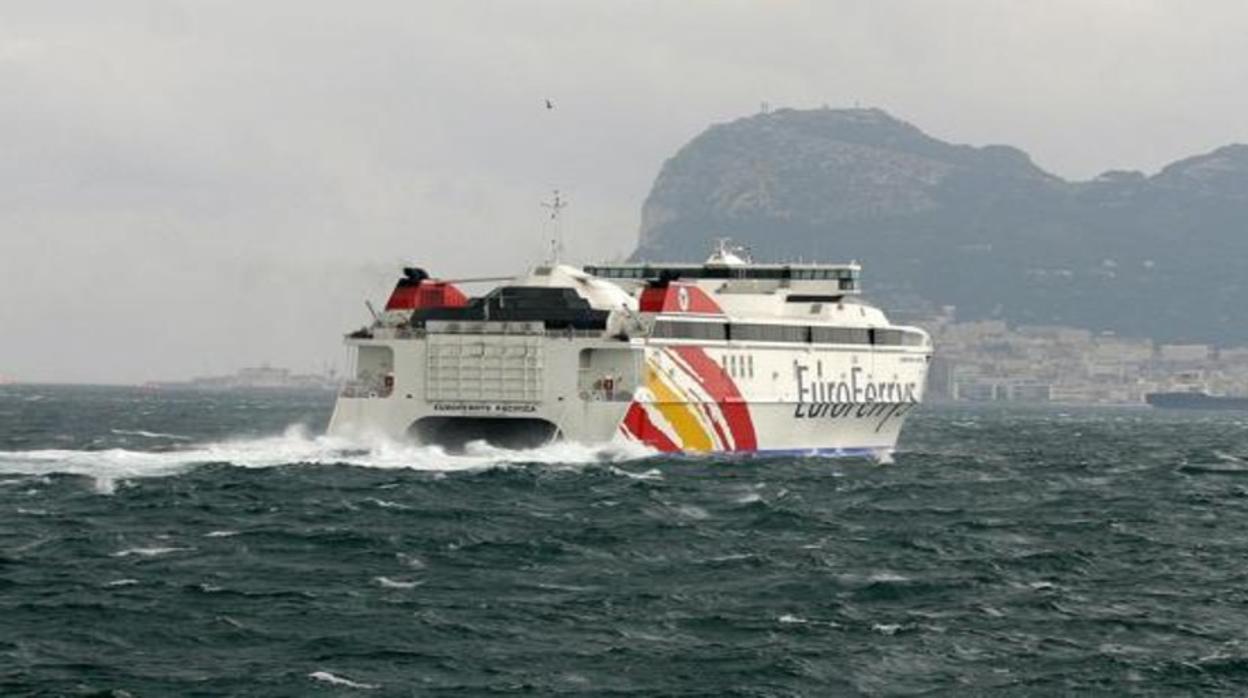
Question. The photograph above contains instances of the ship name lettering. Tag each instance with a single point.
(857, 396)
(483, 407)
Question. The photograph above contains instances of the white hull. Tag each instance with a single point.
(670, 395)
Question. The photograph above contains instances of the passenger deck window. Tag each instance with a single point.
(787, 334)
(672, 329)
(841, 335)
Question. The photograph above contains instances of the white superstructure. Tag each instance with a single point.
(726, 355)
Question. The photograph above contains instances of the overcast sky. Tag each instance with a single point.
(187, 187)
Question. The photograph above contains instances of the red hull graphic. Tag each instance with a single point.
(677, 419)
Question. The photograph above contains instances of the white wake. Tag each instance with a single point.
(296, 446)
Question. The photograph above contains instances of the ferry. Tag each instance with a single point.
(1195, 400)
(723, 356)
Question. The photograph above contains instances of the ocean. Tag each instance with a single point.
(195, 544)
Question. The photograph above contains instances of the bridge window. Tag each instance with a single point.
(671, 272)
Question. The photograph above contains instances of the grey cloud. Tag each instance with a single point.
(190, 187)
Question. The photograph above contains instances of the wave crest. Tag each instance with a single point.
(296, 447)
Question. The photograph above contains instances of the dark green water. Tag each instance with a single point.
(180, 544)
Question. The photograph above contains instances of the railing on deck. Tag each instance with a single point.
(600, 395)
(366, 389)
(574, 334)
(499, 328)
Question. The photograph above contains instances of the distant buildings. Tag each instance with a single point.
(988, 361)
(259, 377)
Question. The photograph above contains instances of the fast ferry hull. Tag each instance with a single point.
(520, 390)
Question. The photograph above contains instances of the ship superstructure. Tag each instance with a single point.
(723, 356)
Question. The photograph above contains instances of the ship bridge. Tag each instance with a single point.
(841, 279)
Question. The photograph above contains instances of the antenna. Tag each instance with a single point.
(556, 204)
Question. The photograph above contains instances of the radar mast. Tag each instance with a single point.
(555, 206)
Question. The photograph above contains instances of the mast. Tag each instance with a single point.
(555, 205)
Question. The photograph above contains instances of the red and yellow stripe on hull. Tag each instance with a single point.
(693, 405)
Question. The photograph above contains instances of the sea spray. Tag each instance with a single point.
(296, 446)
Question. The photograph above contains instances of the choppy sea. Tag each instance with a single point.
(194, 544)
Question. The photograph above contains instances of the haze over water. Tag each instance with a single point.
(207, 544)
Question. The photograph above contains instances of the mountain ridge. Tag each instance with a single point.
(979, 227)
